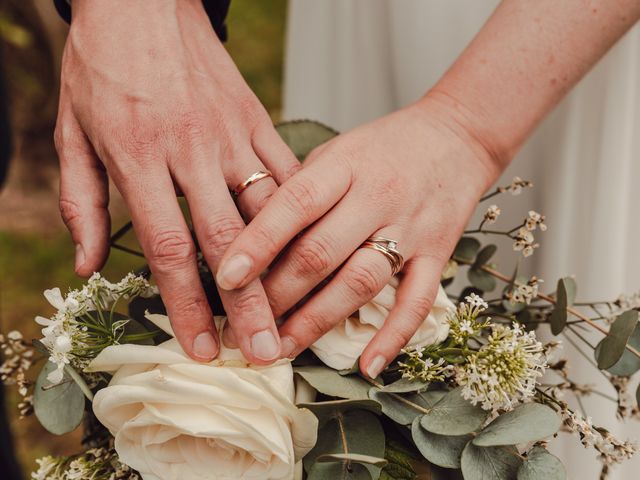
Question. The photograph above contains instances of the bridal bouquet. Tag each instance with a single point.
(476, 394)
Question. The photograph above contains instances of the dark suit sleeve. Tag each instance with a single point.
(216, 9)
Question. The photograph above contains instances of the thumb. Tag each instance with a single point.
(84, 196)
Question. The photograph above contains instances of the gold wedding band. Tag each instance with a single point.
(389, 248)
(256, 177)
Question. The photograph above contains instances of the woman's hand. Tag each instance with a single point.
(150, 95)
(414, 176)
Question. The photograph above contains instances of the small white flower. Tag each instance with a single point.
(46, 467)
(492, 213)
(535, 220)
(476, 301)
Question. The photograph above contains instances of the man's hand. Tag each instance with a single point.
(150, 97)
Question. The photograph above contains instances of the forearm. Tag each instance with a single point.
(527, 56)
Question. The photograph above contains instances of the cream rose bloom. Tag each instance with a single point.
(340, 348)
(176, 419)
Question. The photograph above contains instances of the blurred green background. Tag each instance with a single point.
(35, 250)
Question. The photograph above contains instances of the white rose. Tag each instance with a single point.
(176, 419)
(340, 348)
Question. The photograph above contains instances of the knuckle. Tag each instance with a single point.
(418, 308)
(141, 140)
(171, 247)
(299, 196)
(362, 281)
(220, 233)
(314, 324)
(312, 256)
(69, 210)
(247, 302)
(189, 127)
(400, 334)
(190, 308)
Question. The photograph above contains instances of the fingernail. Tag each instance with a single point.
(205, 346)
(264, 345)
(376, 366)
(233, 271)
(80, 256)
(287, 347)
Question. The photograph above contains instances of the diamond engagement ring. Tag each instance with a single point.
(389, 248)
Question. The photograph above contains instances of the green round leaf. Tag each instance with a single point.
(59, 408)
(466, 249)
(351, 432)
(492, 463)
(526, 423)
(565, 294)
(612, 347)
(330, 409)
(342, 470)
(628, 363)
(453, 415)
(402, 408)
(541, 465)
(352, 457)
(481, 280)
(302, 136)
(485, 255)
(404, 385)
(330, 382)
(442, 450)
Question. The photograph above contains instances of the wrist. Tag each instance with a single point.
(492, 157)
(101, 12)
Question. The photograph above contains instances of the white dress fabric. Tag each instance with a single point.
(350, 61)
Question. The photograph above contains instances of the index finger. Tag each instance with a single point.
(169, 248)
(299, 202)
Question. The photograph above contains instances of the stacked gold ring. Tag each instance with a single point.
(256, 177)
(389, 248)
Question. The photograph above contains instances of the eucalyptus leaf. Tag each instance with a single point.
(453, 415)
(403, 409)
(612, 347)
(302, 136)
(558, 318)
(59, 408)
(541, 465)
(352, 457)
(485, 255)
(628, 363)
(526, 423)
(330, 382)
(342, 471)
(492, 463)
(350, 432)
(481, 280)
(325, 411)
(76, 377)
(404, 385)
(467, 249)
(442, 450)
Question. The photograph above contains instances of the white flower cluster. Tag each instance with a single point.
(68, 333)
(610, 448)
(95, 464)
(417, 367)
(492, 214)
(524, 239)
(464, 323)
(516, 186)
(504, 371)
(525, 293)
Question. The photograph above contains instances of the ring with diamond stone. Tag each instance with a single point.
(389, 248)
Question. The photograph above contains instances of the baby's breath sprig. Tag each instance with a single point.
(94, 464)
(86, 321)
